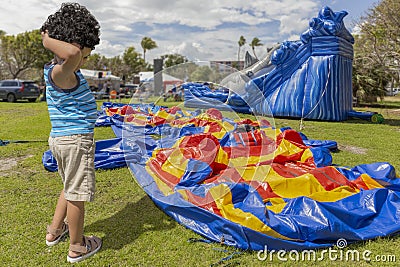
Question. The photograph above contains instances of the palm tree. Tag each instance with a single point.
(241, 43)
(147, 44)
(255, 42)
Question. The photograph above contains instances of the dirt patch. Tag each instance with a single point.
(353, 149)
(391, 112)
(9, 163)
(395, 112)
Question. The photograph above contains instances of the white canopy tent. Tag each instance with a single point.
(92, 76)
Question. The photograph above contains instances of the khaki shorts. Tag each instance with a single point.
(75, 160)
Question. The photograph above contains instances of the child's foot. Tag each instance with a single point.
(54, 236)
(78, 253)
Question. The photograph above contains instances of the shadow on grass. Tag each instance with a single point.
(128, 224)
(391, 122)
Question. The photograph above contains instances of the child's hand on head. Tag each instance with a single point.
(45, 34)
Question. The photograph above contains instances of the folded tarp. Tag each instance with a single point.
(109, 154)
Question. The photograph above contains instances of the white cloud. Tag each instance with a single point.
(207, 29)
(108, 49)
(122, 28)
(292, 24)
(195, 50)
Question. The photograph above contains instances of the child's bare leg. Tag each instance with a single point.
(59, 215)
(76, 216)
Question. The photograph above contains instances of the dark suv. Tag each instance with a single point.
(12, 90)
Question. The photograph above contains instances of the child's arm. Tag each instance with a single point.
(71, 56)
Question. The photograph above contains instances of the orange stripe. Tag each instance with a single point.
(288, 170)
(231, 175)
(330, 178)
(253, 151)
(206, 202)
(360, 183)
(292, 136)
(167, 178)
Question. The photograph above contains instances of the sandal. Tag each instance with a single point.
(92, 245)
(58, 233)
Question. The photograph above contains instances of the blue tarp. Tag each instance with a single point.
(109, 154)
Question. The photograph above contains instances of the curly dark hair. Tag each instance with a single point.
(73, 23)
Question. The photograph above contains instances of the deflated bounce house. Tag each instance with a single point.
(246, 183)
(308, 79)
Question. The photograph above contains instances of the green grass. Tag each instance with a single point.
(135, 232)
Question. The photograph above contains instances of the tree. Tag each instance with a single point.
(132, 60)
(147, 44)
(2, 65)
(201, 74)
(173, 59)
(241, 42)
(255, 42)
(96, 62)
(127, 65)
(377, 50)
(23, 52)
(118, 67)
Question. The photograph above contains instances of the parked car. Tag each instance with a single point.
(13, 90)
(393, 92)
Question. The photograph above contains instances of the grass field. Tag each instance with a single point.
(134, 231)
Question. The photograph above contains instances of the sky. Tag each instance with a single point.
(201, 30)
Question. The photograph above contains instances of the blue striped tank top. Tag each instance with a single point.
(72, 111)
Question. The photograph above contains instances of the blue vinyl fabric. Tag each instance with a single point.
(109, 154)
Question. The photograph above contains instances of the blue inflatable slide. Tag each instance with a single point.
(309, 79)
